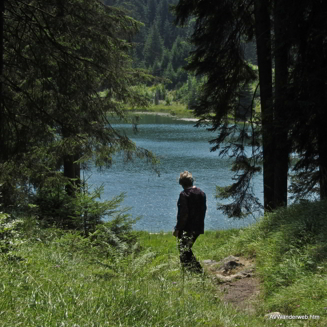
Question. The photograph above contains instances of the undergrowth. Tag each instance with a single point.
(291, 256)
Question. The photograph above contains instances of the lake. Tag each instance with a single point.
(179, 146)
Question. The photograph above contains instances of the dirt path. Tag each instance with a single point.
(236, 280)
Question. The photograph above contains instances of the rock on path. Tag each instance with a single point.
(236, 280)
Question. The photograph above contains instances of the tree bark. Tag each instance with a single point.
(263, 39)
(322, 150)
(321, 117)
(281, 124)
(72, 169)
(3, 152)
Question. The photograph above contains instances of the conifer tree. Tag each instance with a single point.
(156, 69)
(153, 49)
(58, 55)
(167, 34)
(307, 86)
(179, 52)
(289, 37)
(162, 15)
(3, 151)
(220, 28)
(151, 11)
(166, 59)
(170, 74)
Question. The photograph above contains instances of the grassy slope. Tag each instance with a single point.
(63, 281)
(175, 109)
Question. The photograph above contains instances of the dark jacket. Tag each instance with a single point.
(191, 210)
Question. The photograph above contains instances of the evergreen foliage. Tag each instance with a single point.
(153, 48)
(163, 48)
(10, 236)
(219, 33)
(307, 86)
(58, 56)
(292, 74)
(159, 42)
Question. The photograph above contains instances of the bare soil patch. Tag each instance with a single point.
(236, 281)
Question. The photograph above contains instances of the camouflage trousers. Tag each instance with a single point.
(188, 260)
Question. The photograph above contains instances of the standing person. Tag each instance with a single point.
(190, 220)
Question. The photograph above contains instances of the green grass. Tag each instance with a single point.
(60, 279)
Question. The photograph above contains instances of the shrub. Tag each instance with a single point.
(9, 233)
(116, 233)
(81, 212)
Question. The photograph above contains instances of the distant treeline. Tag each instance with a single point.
(163, 48)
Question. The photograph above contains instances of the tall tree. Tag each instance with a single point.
(263, 40)
(167, 34)
(58, 56)
(290, 37)
(219, 31)
(162, 15)
(282, 16)
(153, 48)
(308, 88)
(2, 116)
(151, 11)
(179, 52)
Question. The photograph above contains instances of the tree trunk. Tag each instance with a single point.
(263, 39)
(280, 111)
(320, 97)
(5, 189)
(3, 152)
(72, 169)
(322, 150)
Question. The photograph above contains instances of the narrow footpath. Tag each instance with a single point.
(236, 281)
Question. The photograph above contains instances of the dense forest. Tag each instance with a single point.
(163, 48)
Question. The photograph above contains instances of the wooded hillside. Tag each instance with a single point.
(163, 48)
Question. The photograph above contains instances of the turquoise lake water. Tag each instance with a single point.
(180, 146)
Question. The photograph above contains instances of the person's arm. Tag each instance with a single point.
(182, 214)
(205, 203)
(176, 232)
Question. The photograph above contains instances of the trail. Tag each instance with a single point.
(236, 281)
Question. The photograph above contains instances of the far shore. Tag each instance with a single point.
(166, 114)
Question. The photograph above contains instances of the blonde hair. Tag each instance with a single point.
(186, 179)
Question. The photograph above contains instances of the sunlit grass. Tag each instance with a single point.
(51, 288)
(174, 109)
(57, 279)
